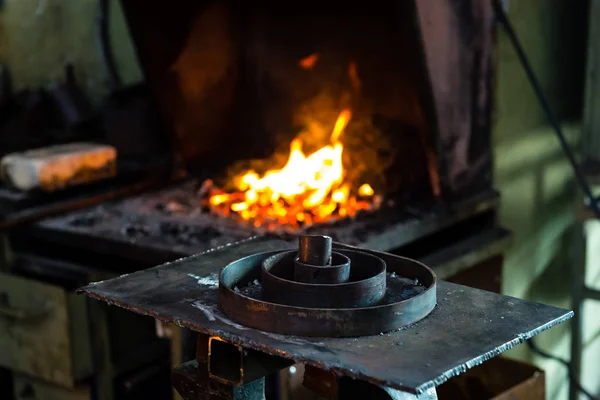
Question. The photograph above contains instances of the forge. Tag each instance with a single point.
(370, 126)
(295, 120)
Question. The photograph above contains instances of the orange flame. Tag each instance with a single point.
(308, 189)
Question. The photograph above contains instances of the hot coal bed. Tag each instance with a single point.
(159, 227)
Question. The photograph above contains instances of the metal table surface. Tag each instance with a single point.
(467, 327)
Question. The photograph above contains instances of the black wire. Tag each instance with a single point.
(568, 365)
(105, 47)
(579, 174)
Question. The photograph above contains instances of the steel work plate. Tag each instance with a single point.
(467, 327)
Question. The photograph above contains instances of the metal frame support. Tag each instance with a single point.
(226, 371)
(577, 297)
(234, 365)
(192, 382)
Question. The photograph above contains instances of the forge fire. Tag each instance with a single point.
(309, 189)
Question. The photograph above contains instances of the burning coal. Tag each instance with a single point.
(308, 189)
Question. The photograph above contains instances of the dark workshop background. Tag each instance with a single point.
(37, 38)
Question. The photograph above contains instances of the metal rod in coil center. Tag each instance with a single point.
(314, 250)
(317, 264)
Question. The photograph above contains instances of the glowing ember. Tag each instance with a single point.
(365, 190)
(308, 189)
(309, 62)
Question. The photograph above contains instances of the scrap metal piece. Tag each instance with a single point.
(57, 167)
(467, 327)
(367, 287)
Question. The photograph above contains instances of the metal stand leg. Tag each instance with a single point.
(577, 297)
(192, 382)
(224, 371)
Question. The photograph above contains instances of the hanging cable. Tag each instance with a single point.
(550, 116)
(105, 47)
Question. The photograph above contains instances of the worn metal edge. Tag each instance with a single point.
(521, 338)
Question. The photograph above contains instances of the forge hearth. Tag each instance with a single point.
(291, 120)
(172, 223)
(251, 87)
